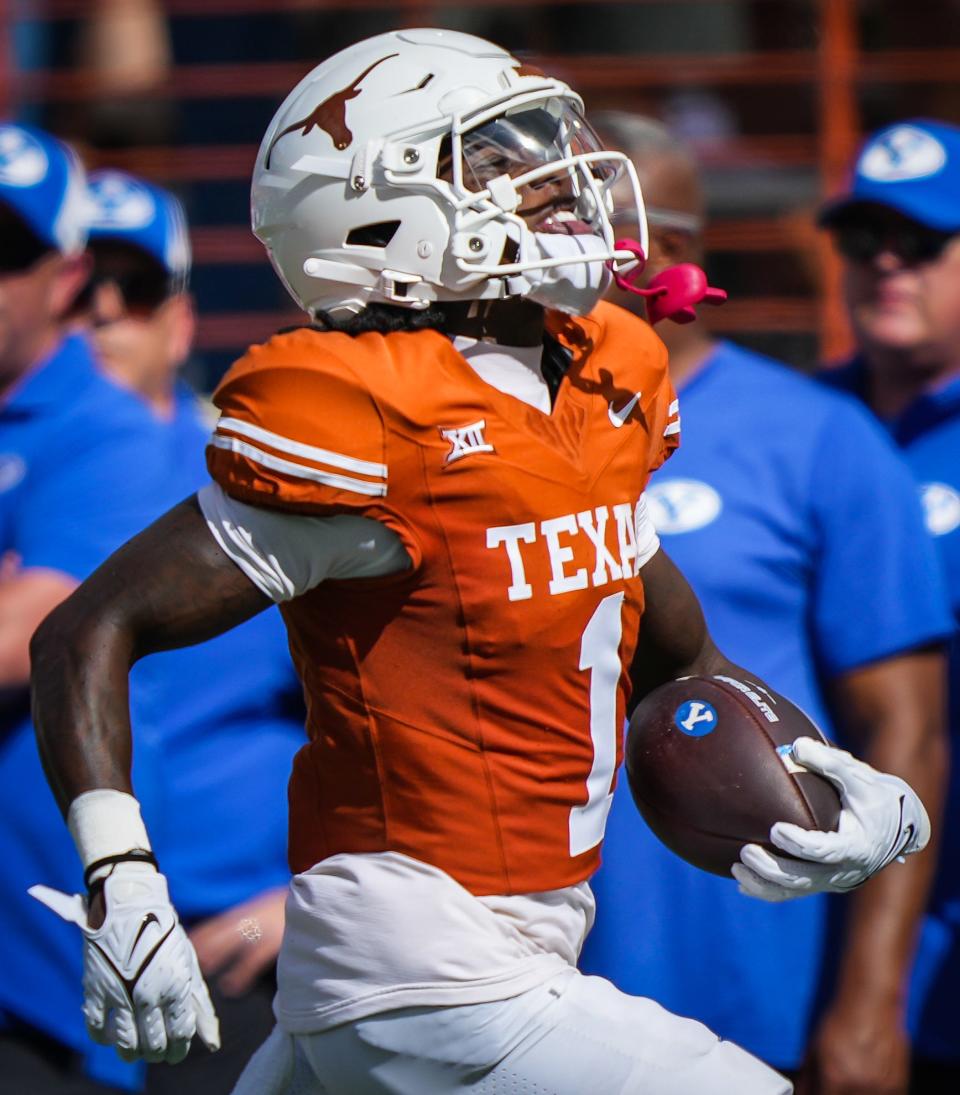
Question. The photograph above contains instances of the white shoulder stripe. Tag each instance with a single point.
(673, 408)
(299, 471)
(672, 428)
(298, 448)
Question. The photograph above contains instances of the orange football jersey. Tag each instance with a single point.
(466, 712)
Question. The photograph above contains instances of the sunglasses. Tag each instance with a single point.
(20, 247)
(142, 291)
(142, 283)
(911, 243)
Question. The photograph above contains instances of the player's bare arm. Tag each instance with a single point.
(674, 640)
(170, 586)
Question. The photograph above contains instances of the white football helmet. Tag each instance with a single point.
(395, 170)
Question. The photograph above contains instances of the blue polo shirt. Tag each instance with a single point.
(793, 517)
(79, 474)
(928, 434)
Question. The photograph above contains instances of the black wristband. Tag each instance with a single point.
(135, 855)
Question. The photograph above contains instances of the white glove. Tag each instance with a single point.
(881, 819)
(143, 990)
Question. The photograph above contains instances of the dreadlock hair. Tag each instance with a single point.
(382, 319)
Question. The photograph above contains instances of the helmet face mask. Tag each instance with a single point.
(456, 163)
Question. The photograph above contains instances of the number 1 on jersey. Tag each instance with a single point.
(600, 655)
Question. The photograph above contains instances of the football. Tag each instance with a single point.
(708, 762)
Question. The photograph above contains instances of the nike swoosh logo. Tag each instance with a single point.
(902, 839)
(150, 918)
(129, 983)
(618, 418)
(908, 834)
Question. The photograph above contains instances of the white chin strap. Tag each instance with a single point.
(575, 287)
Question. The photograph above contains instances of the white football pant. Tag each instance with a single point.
(574, 1035)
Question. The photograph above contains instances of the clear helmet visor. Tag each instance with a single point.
(550, 152)
(527, 138)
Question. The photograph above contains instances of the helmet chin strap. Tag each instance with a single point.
(673, 293)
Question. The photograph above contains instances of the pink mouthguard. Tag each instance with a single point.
(673, 293)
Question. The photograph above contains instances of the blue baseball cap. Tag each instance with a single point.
(42, 181)
(912, 167)
(136, 212)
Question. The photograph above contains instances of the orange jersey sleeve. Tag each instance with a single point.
(298, 429)
(664, 415)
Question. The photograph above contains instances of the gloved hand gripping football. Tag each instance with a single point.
(881, 819)
(143, 990)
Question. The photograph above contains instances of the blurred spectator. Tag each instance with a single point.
(79, 474)
(137, 301)
(898, 232)
(124, 48)
(219, 743)
(799, 528)
(127, 44)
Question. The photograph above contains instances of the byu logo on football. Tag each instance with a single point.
(466, 440)
(696, 718)
(902, 153)
(23, 161)
(119, 202)
(785, 753)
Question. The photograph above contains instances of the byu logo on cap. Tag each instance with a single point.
(696, 718)
(23, 161)
(120, 202)
(904, 152)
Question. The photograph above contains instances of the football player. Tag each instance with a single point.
(441, 482)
